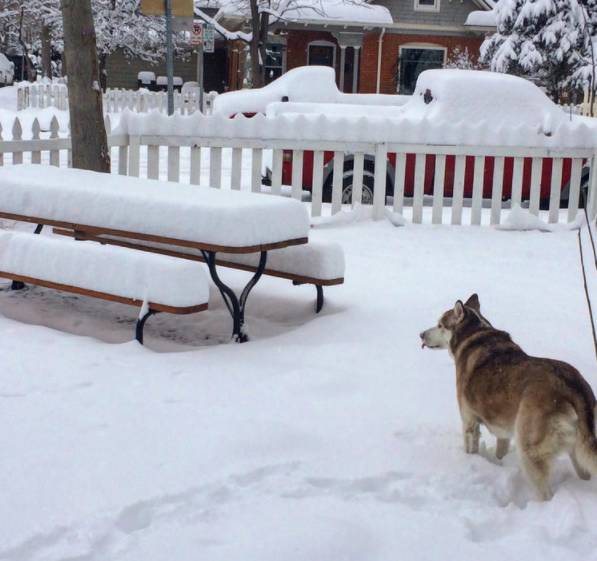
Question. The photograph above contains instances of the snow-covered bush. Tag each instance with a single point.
(548, 42)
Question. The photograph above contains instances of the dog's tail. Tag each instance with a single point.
(585, 448)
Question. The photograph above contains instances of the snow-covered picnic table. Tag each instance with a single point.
(114, 208)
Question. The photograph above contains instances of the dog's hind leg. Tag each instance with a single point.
(503, 445)
(472, 432)
(580, 471)
(537, 471)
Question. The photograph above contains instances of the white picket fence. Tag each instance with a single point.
(585, 107)
(130, 150)
(53, 94)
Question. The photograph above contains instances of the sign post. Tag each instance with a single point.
(169, 8)
(169, 56)
(197, 41)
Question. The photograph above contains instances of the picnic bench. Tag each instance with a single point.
(221, 228)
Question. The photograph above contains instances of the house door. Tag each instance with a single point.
(322, 55)
(413, 61)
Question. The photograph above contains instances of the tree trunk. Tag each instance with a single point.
(28, 66)
(88, 133)
(256, 74)
(46, 51)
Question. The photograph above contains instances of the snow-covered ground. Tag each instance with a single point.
(324, 438)
(330, 437)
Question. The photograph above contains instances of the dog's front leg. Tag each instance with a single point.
(472, 433)
(503, 445)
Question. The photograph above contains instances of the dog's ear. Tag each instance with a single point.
(473, 302)
(458, 311)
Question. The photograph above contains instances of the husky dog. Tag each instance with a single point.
(545, 404)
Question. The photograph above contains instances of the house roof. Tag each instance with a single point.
(329, 11)
(484, 17)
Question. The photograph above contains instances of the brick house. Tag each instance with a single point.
(382, 52)
(378, 47)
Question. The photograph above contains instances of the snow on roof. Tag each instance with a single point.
(481, 18)
(330, 11)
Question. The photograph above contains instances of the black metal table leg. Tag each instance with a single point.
(141, 325)
(319, 289)
(236, 306)
(18, 285)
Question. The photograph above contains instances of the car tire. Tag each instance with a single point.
(347, 183)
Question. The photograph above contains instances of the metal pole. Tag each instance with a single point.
(169, 57)
(200, 73)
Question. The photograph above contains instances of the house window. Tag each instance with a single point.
(322, 53)
(413, 61)
(427, 5)
(274, 62)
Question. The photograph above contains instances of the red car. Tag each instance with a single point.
(449, 95)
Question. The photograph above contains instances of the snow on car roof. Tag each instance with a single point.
(476, 96)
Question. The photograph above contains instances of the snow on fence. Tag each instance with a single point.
(115, 100)
(440, 176)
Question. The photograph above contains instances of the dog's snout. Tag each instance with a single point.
(422, 335)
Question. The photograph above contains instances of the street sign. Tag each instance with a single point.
(209, 38)
(180, 8)
(197, 35)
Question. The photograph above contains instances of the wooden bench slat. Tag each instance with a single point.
(103, 295)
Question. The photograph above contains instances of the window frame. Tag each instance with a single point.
(418, 7)
(420, 47)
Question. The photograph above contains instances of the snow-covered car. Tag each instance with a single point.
(306, 84)
(7, 71)
(497, 102)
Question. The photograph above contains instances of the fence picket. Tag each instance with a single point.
(195, 172)
(497, 187)
(277, 161)
(338, 178)
(123, 158)
(419, 188)
(35, 130)
(399, 179)
(458, 194)
(379, 181)
(556, 190)
(536, 169)
(236, 172)
(153, 161)
(17, 134)
(479, 175)
(256, 164)
(517, 181)
(215, 167)
(574, 193)
(174, 163)
(134, 156)
(357, 178)
(297, 174)
(438, 189)
(317, 187)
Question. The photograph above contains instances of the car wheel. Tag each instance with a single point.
(347, 186)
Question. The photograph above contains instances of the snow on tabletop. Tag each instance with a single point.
(198, 214)
(113, 270)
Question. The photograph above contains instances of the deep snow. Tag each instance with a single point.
(330, 437)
